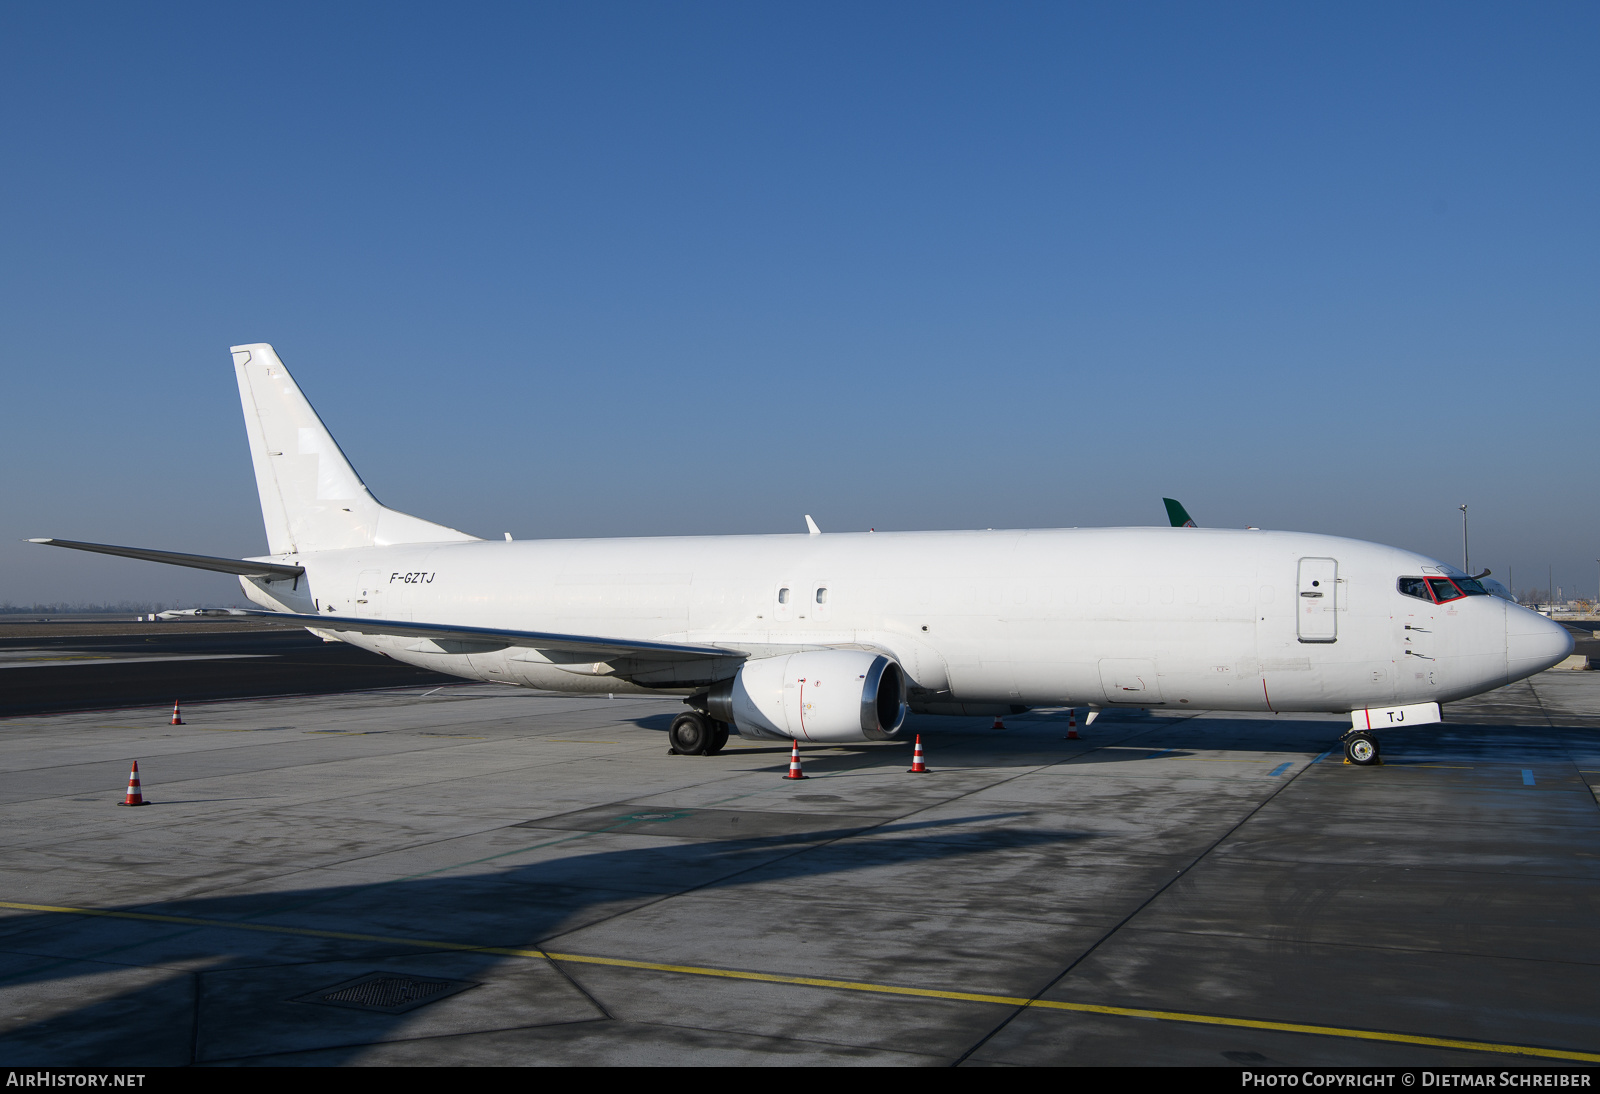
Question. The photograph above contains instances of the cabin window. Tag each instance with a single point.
(1414, 586)
(822, 596)
(783, 596)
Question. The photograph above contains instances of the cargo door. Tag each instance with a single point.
(1317, 615)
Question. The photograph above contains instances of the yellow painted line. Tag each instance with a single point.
(839, 985)
(1089, 1008)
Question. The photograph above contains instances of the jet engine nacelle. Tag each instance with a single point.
(820, 695)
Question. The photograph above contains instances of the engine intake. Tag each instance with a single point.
(819, 695)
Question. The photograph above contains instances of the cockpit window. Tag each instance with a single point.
(1441, 589)
(1415, 586)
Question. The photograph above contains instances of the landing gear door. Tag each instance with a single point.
(1317, 603)
(1131, 681)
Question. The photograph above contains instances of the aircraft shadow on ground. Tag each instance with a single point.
(521, 907)
(1029, 740)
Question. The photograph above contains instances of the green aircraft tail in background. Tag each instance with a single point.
(1178, 515)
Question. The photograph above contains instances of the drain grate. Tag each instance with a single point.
(386, 992)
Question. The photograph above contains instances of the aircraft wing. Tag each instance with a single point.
(589, 645)
(242, 566)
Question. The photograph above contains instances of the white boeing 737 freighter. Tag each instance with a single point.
(834, 637)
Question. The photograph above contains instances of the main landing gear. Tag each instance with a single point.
(696, 734)
(1361, 748)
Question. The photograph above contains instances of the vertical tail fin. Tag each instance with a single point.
(1178, 515)
(311, 498)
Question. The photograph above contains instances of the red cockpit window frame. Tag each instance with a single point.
(1433, 589)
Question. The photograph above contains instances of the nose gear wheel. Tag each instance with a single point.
(1361, 748)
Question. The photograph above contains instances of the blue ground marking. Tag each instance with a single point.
(1163, 752)
(1279, 770)
(1527, 777)
(1322, 757)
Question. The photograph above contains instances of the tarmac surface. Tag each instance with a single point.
(481, 875)
(82, 664)
(1584, 640)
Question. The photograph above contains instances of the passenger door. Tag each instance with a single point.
(1316, 606)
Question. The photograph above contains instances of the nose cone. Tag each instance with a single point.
(1533, 643)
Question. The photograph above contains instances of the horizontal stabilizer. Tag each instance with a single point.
(242, 567)
(538, 640)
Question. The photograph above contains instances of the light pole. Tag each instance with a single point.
(1466, 556)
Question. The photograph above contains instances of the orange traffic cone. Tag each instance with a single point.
(998, 724)
(1072, 724)
(918, 766)
(794, 763)
(134, 796)
(177, 719)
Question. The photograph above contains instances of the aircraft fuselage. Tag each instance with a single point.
(1174, 618)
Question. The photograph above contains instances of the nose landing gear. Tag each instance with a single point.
(1361, 748)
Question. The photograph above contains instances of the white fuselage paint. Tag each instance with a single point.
(1181, 618)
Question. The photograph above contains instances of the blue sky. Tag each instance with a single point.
(637, 269)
